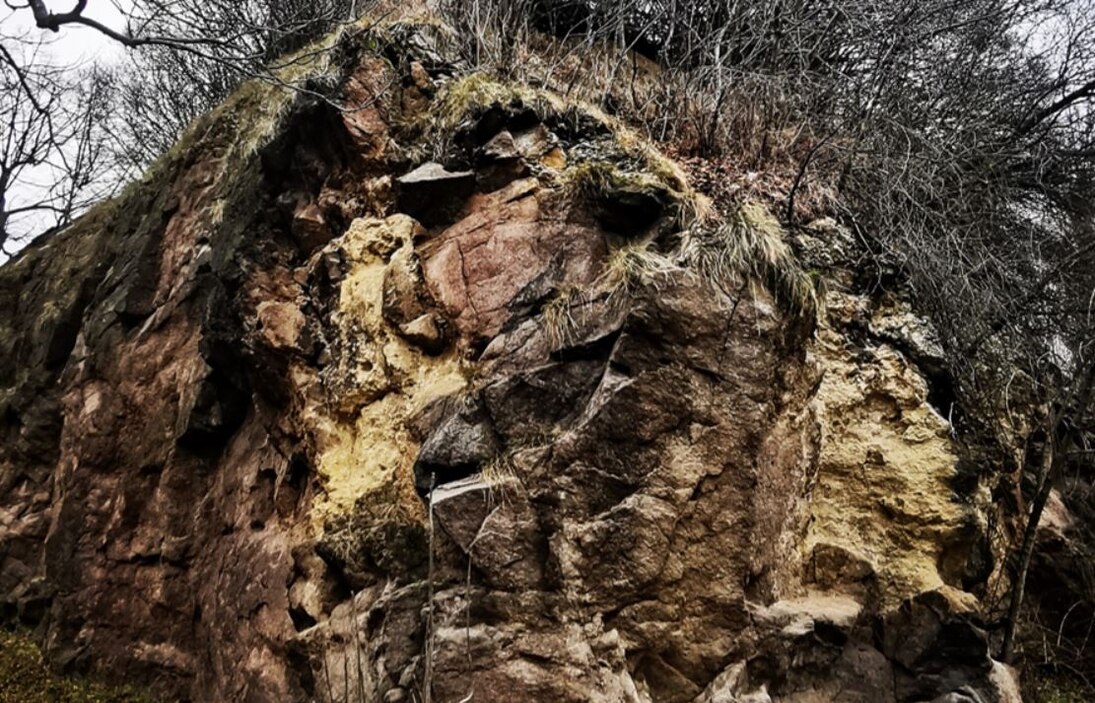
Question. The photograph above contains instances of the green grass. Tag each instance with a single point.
(25, 678)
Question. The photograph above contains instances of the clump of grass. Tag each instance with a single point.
(259, 107)
(499, 471)
(25, 678)
(654, 162)
(558, 316)
(601, 179)
(500, 476)
(384, 531)
(592, 180)
(632, 264)
(470, 94)
(651, 167)
(750, 245)
(466, 97)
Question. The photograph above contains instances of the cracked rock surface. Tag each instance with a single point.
(306, 417)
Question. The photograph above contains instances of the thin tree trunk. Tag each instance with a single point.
(1026, 552)
(1072, 408)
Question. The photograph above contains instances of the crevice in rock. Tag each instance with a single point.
(460, 444)
(595, 349)
(301, 619)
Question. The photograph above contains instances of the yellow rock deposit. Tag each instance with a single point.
(883, 494)
(368, 453)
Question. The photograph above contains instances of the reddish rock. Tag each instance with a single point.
(282, 324)
(504, 245)
(216, 410)
(310, 227)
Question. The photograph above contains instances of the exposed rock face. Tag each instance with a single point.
(276, 430)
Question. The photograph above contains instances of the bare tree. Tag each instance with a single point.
(164, 89)
(52, 143)
(187, 55)
(1065, 426)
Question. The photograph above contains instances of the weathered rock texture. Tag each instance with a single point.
(303, 416)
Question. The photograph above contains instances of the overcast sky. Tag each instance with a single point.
(74, 45)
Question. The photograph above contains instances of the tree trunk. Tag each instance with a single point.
(1026, 552)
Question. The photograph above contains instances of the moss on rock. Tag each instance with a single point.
(24, 678)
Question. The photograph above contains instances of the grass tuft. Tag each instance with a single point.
(591, 180)
(500, 475)
(751, 245)
(558, 315)
(632, 264)
(499, 471)
(466, 96)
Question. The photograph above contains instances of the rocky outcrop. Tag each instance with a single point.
(315, 413)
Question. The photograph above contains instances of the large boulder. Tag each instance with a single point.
(282, 424)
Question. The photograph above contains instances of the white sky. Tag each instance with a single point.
(72, 46)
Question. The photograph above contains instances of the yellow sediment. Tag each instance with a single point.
(371, 453)
(887, 461)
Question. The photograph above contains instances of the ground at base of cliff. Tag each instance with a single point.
(25, 678)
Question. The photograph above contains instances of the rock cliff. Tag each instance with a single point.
(465, 395)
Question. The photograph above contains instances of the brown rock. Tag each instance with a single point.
(480, 265)
(282, 324)
(222, 434)
(424, 331)
(419, 76)
(367, 121)
(310, 227)
(501, 147)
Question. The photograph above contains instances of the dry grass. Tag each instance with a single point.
(558, 315)
(663, 169)
(500, 474)
(751, 245)
(592, 180)
(600, 179)
(635, 264)
(501, 478)
(469, 95)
